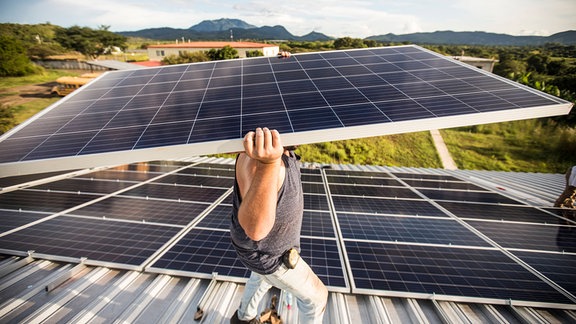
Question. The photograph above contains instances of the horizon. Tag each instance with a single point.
(326, 34)
(335, 18)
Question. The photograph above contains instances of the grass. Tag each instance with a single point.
(410, 150)
(519, 146)
(24, 111)
(47, 76)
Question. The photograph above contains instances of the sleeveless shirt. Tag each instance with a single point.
(265, 256)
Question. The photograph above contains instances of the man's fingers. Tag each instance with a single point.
(268, 145)
(259, 140)
(249, 143)
(276, 141)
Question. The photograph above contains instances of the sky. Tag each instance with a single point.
(336, 18)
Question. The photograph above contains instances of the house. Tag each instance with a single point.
(481, 63)
(158, 52)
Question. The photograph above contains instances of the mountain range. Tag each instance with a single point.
(226, 29)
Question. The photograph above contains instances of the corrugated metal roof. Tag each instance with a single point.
(52, 292)
(36, 290)
(116, 65)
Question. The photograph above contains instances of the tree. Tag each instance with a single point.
(225, 53)
(254, 53)
(6, 119)
(92, 43)
(186, 57)
(349, 42)
(13, 59)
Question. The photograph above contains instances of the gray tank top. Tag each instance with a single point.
(265, 256)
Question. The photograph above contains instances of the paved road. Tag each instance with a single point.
(447, 161)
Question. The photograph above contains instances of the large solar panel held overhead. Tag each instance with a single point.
(203, 108)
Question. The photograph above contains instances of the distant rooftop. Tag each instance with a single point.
(212, 45)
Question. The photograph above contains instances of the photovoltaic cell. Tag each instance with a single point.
(385, 206)
(144, 210)
(176, 192)
(219, 217)
(529, 236)
(203, 108)
(85, 185)
(204, 251)
(95, 239)
(445, 271)
(323, 257)
(315, 223)
(43, 201)
(558, 267)
(406, 229)
(471, 196)
(11, 219)
(499, 212)
(374, 191)
(460, 185)
(364, 181)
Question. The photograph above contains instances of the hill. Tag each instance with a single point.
(477, 38)
(221, 29)
(223, 24)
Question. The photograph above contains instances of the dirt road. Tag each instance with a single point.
(23, 94)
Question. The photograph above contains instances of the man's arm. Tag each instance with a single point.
(260, 175)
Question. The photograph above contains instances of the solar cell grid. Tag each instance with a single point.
(11, 219)
(445, 271)
(374, 191)
(529, 236)
(219, 217)
(363, 181)
(84, 185)
(314, 91)
(98, 240)
(313, 187)
(499, 212)
(43, 201)
(385, 206)
(144, 210)
(558, 267)
(406, 229)
(323, 257)
(190, 180)
(424, 176)
(316, 202)
(443, 184)
(350, 173)
(176, 192)
(319, 224)
(470, 196)
(206, 252)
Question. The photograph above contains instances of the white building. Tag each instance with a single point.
(481, 63)
(158, 52)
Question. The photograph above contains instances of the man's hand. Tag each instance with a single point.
(264, 145)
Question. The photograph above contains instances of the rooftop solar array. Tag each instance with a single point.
(187, 110)
(379, 233)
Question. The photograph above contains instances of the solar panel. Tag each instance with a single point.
(558, 267)
(203, 108)
(95, 239)
(406, 229)
(445, 271)
(362, 240)
(529, 236)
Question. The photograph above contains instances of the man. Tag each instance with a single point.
(567, 198)
(265, 229)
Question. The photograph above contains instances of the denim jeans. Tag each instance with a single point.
(302, 282)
